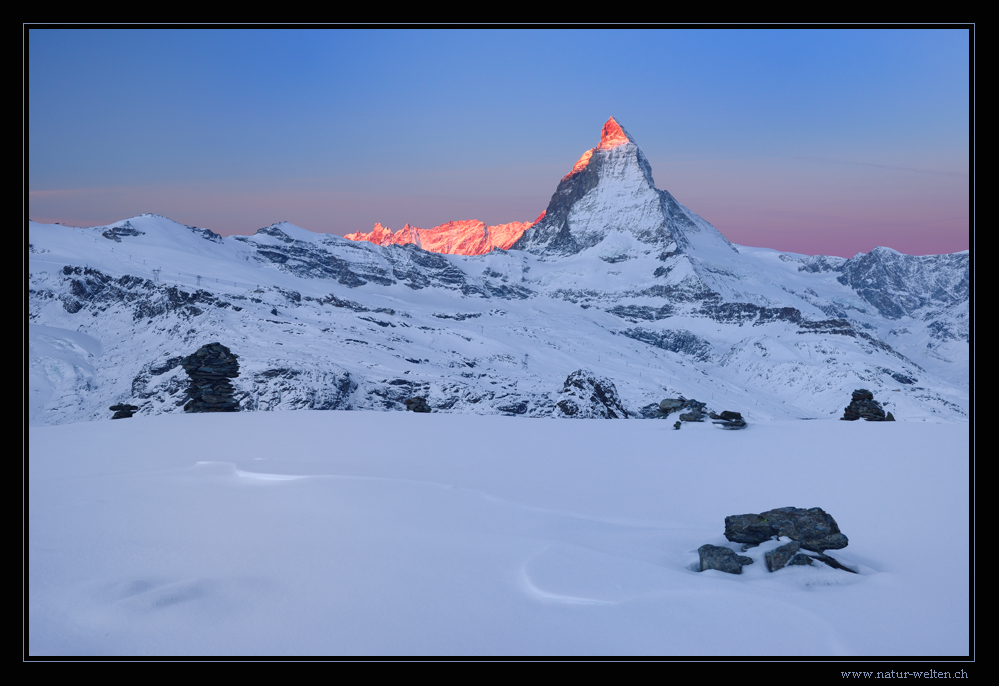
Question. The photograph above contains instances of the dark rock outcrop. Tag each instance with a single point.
(210, 369)
(721, 558)
(123, 410)
(864, 406)
(126, 229)
(417, 404)
(813, 528)
(728, 420)
(585, 395)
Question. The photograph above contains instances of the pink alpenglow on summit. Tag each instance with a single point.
(465, 237)
(612, 135)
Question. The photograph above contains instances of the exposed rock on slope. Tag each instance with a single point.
(587, 396)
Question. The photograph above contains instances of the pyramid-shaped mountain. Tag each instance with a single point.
(611, 189)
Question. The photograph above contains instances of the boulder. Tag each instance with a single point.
(586, 396)
(813, 528)
(721, 558)
(210, 369)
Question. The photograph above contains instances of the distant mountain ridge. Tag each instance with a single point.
(616, 276)
(465, 237)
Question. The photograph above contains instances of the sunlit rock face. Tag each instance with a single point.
(465, 237)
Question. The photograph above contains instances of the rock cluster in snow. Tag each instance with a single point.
(809, 529)
(668, 405)
(864, 406)
(696, 411)
(210, 369)
(587, 396)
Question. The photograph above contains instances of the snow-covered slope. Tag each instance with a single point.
(357, 533)
(617, 277)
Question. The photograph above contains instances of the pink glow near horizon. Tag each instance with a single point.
(759, 206)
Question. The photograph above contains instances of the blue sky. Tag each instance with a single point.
(816, 140)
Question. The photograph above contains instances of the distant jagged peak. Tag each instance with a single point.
(462, 237)
(613, 135)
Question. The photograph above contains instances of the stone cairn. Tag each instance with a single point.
(123, 410)
(417, 404)
(809, 529)
(210, 369)
(864, 406)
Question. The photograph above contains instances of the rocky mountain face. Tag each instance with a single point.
(616, 278)
(609, 189)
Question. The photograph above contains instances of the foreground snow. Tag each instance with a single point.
(338, 533)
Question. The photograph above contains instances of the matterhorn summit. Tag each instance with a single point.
(610, 189)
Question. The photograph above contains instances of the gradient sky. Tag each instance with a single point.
(819, 141)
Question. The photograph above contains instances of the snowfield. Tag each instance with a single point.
(392, 533)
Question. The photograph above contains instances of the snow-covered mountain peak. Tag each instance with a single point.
(611, 188)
